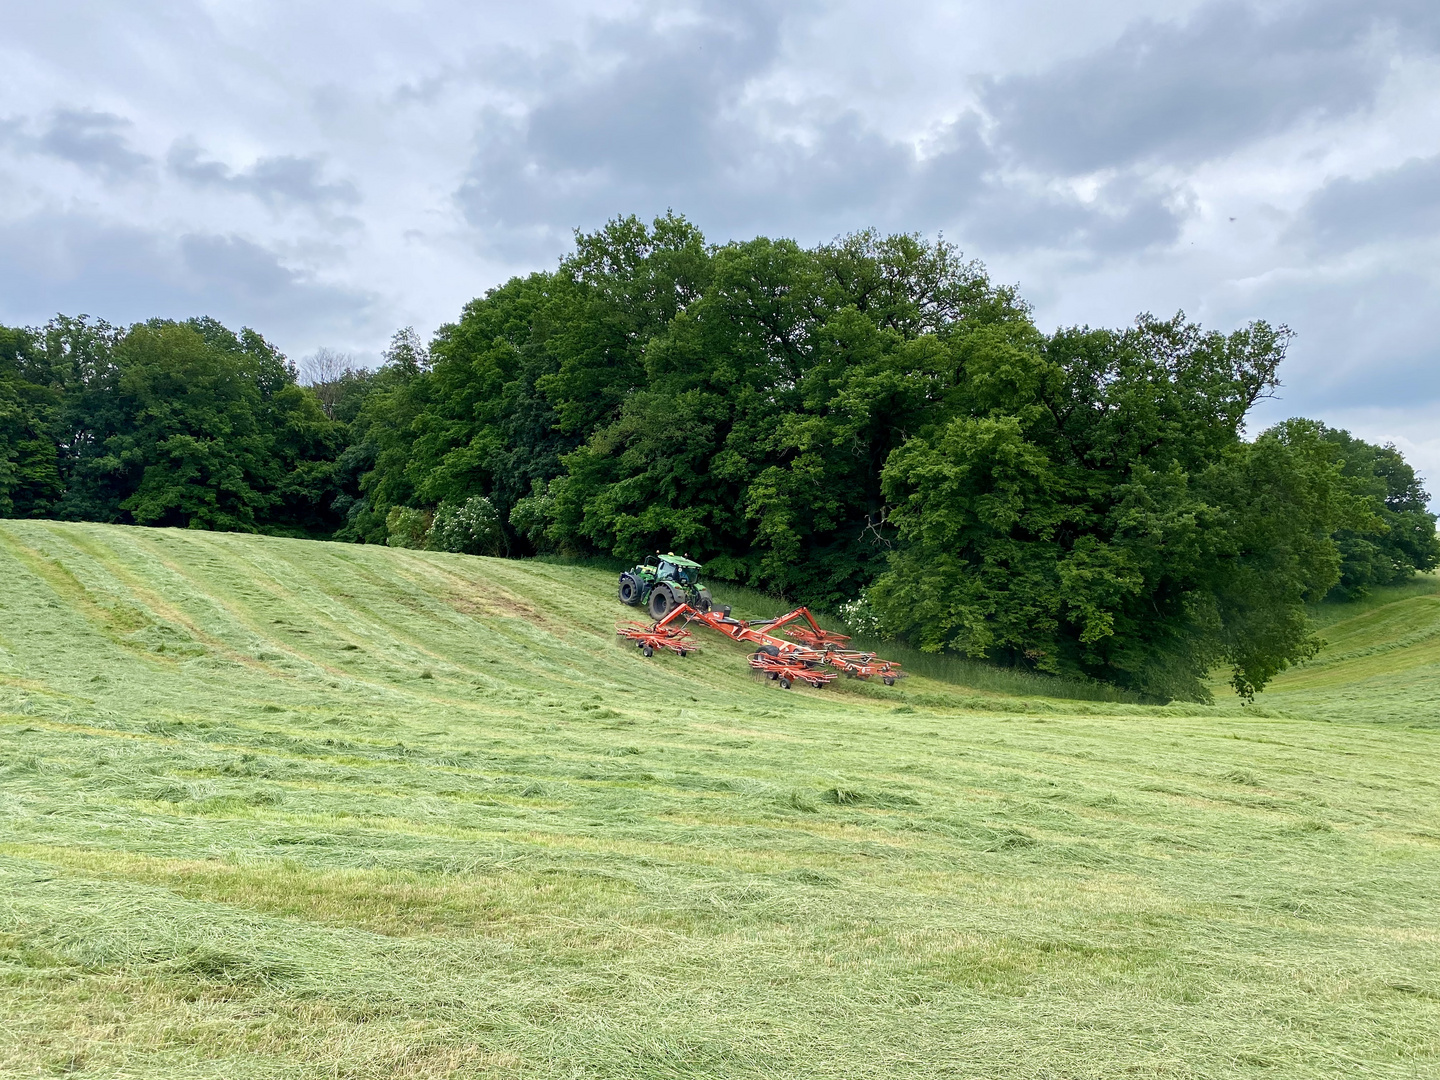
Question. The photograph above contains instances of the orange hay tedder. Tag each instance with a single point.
(812, 656)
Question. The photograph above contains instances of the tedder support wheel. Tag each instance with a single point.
(784, 683)
(648, 651)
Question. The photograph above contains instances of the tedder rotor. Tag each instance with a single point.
(811, 655)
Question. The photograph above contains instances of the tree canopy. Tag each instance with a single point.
(871, 420)
(164, 423)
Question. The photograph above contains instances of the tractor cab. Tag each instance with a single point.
(664, 582)
(672, 567)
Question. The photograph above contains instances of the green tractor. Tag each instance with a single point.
(662, 583)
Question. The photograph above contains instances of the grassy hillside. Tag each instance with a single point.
(276, 808)
(1381, 661)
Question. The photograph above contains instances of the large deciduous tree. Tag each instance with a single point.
(1406, 542)
(186, 424)
(1090, 507)
(30, 399)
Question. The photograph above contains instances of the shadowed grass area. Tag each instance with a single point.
(277, 808)
(944, 668)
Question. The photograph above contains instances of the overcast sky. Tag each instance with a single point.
(328, 172)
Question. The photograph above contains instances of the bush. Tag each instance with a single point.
(532, 514)
(470, 528)
(862, 620)
(407, 527)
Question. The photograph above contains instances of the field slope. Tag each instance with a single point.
(275, 808)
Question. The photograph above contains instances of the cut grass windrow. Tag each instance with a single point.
(273, 808)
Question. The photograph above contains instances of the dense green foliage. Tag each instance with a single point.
(165, 423)
(1406, 541)
(1092, 508)
(30, 483)
(871, 421)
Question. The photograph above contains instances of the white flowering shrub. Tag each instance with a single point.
(471, 528)
(861, 619)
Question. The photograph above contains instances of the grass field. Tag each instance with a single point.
(274, 808)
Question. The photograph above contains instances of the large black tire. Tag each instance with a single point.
(662, 601)
(630, 589)
(704, 603)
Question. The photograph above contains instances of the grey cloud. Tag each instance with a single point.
(658, 114)
(1126, 216)
(732, 114)
(1364, 338)
(641, 118)
(275, 181)
(649, 126)
(1398, 203)
(1200, 89)
(74, 264)
(95, 141)
(660, 124)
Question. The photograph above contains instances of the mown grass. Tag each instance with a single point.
(273, 808)
(1381, 660)
(1330, 612)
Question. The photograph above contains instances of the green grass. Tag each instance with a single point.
(1381, 661)
(1332, 611)
(274, 808)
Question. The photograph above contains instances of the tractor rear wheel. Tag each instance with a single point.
(662, 602)
(629, 589)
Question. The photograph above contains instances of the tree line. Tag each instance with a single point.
(870, 423)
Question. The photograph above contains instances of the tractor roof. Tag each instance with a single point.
(679, 560)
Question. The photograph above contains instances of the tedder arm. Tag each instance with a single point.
(802, 659)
